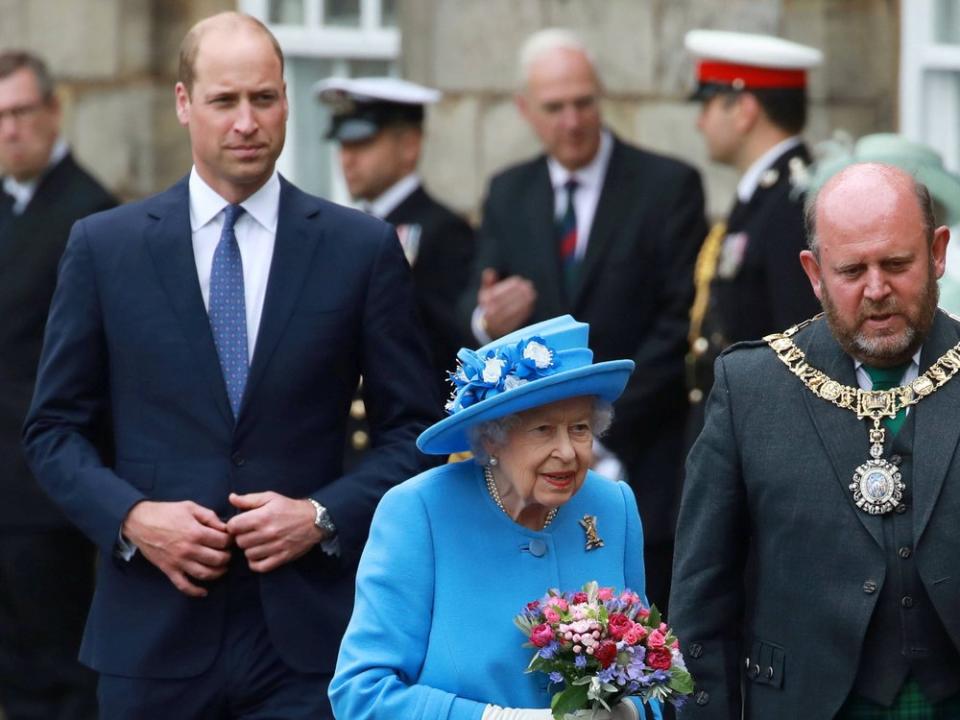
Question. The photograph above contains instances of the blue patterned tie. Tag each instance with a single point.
(228, 315)
(567, 238)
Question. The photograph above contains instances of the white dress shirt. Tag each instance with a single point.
(22, 192)
(751, 178)
(256, 232)
(393, 196)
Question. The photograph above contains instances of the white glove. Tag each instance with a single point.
(495, 712)
(624, 710)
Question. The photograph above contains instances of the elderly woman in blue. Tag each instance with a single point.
(455, 553)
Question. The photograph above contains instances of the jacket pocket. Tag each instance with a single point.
(765, 664)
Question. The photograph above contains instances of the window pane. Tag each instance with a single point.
(286, 12)
(342, 13)
(313, 156)
(947, 22)
(388, 13)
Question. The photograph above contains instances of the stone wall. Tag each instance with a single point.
(115, 62)
(467, 49)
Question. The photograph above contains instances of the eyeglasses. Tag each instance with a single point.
(21, 112)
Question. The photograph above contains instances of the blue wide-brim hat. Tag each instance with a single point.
(533, 366)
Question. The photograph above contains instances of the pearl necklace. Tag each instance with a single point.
(495, 494)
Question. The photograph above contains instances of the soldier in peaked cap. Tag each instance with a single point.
(378, 122)
(748, 275)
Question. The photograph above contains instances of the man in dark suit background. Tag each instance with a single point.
(378, 122)
(218, 330)
(609, 233)
(46, 566)
(818, 560)
(748, 275)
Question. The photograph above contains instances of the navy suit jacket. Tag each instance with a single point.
(129, 349)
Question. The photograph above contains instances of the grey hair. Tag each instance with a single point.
(924, 200)
(496, 432)
(544, 41)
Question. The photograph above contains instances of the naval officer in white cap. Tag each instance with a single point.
(748, 275)
(378, 122)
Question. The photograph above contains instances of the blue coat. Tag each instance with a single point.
(129, 360)
(442, 577)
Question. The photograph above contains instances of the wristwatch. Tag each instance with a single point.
(322, 519)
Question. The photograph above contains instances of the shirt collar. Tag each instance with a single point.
(394, 195)
(590, 175)
(22, 192)
(751, 178)
(205, 203)
(915, 361)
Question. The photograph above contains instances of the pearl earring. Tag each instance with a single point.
(493, 462)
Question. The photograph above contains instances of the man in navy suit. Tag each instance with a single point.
(201, 353)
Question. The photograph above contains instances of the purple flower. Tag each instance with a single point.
(607, 674)
(555, 677)
(580, 661)
(550, 651)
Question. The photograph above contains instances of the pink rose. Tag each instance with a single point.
(605, 594)
(559, 602)
(541, 635)
(635, 634)
(656, 639)
(579, 597)
(551, 615)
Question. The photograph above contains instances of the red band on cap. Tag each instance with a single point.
(750, 76)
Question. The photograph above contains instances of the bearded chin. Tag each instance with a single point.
(890, 349)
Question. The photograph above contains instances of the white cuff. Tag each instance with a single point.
(477, 326)
(495, 712)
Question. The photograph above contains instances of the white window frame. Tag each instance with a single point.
(312, 39)
(929, 98)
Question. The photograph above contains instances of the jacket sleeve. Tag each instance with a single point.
(64, 431)
(707, 601)
(399, 394)
(385, 644)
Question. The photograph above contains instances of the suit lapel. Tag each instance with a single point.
(843, 436)
(541, 241)
(169, 241)
(298, 234)
(935, 435)
(612, 208)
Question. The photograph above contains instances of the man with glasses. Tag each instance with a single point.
(46, 566)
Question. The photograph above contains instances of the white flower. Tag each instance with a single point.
(512, 381)
(492, 369)
(541, 355)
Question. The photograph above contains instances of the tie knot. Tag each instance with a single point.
(571, 185)
(886, 378)
(230, 215)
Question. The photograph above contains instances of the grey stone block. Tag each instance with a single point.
(450, 156)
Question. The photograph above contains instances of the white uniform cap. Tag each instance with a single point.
(371, 89)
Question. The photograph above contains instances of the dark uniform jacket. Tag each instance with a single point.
(758, 285)
(635, 285)
(779, 576)
(440, 265)
(30, 248)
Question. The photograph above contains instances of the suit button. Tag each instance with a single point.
(769, 673)
(907, 602)
(904, 552)
(238, 460)
(360, 440)
(695, 650)
(869, 587)
(754, 672)
(703, 697)
(358, 411)
(696, 396)
(700, 346)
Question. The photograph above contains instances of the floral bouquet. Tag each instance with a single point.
(601, 647)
